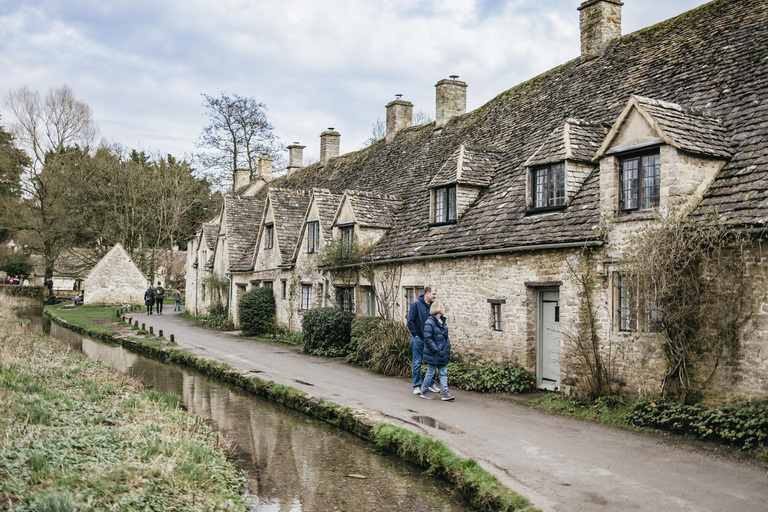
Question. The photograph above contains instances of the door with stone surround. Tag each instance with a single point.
(548, 346)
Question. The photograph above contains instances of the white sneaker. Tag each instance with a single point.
(434, 389)
(416, 391)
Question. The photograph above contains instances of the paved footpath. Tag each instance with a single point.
(559, 463)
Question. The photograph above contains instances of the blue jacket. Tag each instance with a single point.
(417, 315)
(437, 346)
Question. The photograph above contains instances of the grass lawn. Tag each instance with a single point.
(79, 437)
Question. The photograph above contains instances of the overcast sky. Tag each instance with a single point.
(142, 64)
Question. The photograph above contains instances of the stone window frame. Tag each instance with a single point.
(313, 236)
(269, 238)
(306, 296)
(416, 290)
(268, 284)
(347, 235)
(284, 288)
(642, 200)
(444, 209)
(551, 200)
(634, 313)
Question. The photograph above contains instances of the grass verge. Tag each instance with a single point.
(79, 437)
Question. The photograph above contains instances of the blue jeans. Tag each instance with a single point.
(429, 378)
(177, 306)
(417, 352)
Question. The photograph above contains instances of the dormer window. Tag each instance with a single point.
(313, 236)
(445, 204)
(347, 239)
(640, 180)
(269, 236)
(549, 186)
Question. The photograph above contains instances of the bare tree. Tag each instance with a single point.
(238, 133)
(379, 127)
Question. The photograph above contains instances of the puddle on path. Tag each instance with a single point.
(432, 422)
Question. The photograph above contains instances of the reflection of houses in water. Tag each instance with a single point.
(116, 357)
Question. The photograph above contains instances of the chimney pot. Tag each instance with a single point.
(600, 23)
(329, 145)
(450, 100)
(399, 116)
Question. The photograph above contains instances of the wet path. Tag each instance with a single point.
(558, 463)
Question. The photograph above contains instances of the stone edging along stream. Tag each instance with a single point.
(477, 486)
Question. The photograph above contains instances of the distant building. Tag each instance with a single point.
(115, 280)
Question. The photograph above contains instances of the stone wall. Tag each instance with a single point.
(115, 280)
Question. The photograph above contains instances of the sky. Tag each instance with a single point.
(142, 64)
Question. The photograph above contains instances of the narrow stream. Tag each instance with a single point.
(294, 463)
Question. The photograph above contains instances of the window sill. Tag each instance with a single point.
(632, 215)
(547, 209)
(438, 224)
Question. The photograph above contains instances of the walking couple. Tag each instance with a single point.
(429, 343)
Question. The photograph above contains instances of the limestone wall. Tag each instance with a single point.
(115, 280)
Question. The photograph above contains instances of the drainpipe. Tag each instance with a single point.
(229, 294)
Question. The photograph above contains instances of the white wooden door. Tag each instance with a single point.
(548, 353)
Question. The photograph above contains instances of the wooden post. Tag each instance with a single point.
(137, 323)
(151, 330)
(143, 326)
(160, 333)
(172, 339)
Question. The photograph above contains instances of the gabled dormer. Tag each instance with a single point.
(365, 216)
(659, 155)
(458, 182)
(317, 227)
(557, 169)
(284, 211)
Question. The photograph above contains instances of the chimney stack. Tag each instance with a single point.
(329, 145)
(399, 116)
(242, 178)
(600, 23)
(295, 157)
(265, 168)
(450, 99)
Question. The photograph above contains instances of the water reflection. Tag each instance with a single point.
(294, 463)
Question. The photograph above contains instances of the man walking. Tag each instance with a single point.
(417, 316)
(176, 299)
(159, 292)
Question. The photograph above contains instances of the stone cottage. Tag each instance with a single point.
(115, 279)
(495, 207)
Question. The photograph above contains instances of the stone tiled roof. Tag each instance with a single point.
(467, 166)
(710, 59)
(210, 232)
(289, 208)
(574, 140)
(373, 210)
(327, 203)
(243, 215)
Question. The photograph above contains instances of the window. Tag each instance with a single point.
(269, 236)
(640, 178)
(445, 204)
(202, 290)
(627, 304)
(496, 310)
(347, 238)
(306, 296)
(549, 186)
(240, 290)
(372, 307)
(411, 294)
(346, 299)
(267, 284)
(313, 236)
(284, 292)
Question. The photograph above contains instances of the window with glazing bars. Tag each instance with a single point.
(549, 186)
(445, 204)
(347, 238)
(313, 236)
(306, 296)
(284, 293)
(640, 181)
(347, 299)
(627, 304)
(269, 236)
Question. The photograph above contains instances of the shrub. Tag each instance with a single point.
(381, 345)
(360, 332)
(326, 331)
(257, 312)
(490, 378)
(217, 313)
(745, 426)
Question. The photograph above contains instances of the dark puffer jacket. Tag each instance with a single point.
(437, 346)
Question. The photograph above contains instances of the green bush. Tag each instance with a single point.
(257, 312)
(361, 350)
(745, 426)
(326, 332)
(381, 345)
(490, 378)
(216, 316)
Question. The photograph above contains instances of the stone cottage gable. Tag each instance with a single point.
(243, 215)
(284, 211)
(322, 208)
(575, 139)
(115, 280)
(368, 210)
(467, 166)
(645, 121)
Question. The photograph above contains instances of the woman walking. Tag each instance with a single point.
(437, 351)
(149, 299)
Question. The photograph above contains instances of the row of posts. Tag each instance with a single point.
(122, 316)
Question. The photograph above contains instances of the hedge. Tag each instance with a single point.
(257, 312)
(326, 331)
